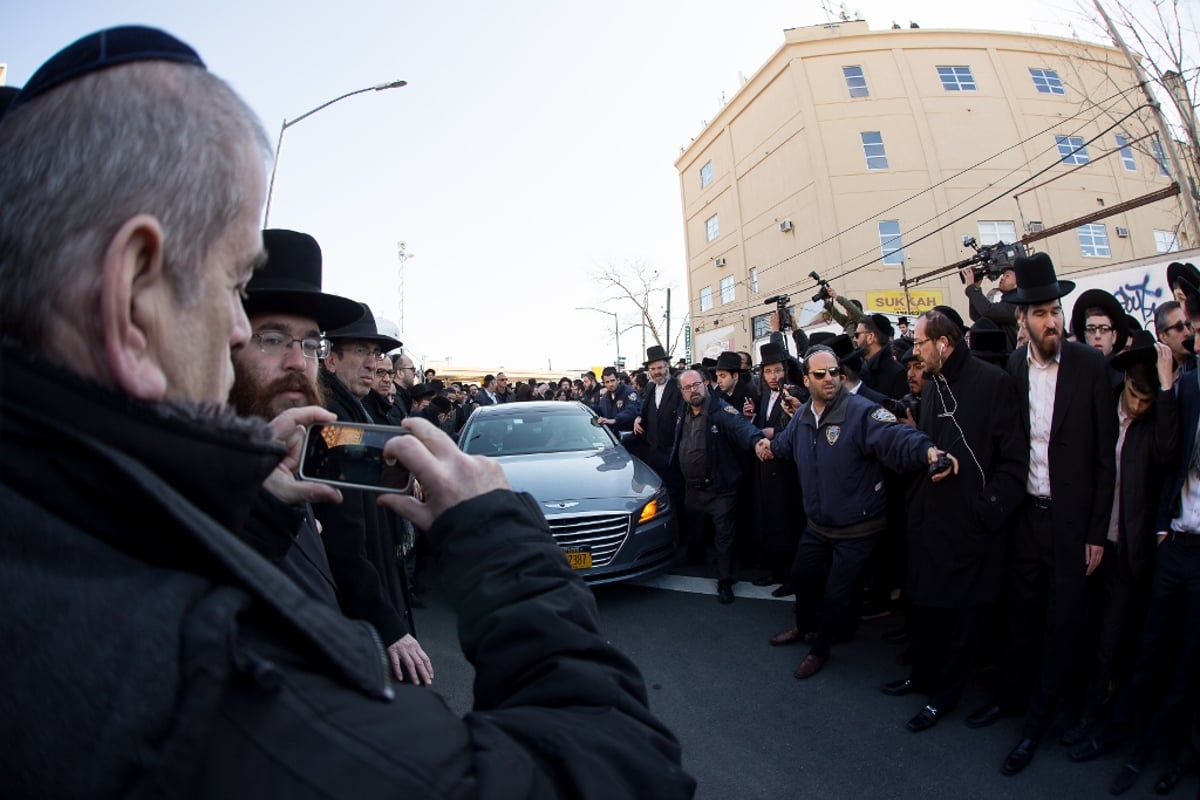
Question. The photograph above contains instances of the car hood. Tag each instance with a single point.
(611, 473)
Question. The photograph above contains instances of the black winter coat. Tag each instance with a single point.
(958, 528)
(885, 375)
(210, 674)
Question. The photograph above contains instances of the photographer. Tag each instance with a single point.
(1002, 313)
(957, 528)
(849, 320)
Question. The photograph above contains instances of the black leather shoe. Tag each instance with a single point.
(1125, 779)
(984, 716)
(1166, 782)
(897, 688)
(924, 720)
(1074, 735)
(764, 580)
(783, 590)
(724, 594)
(1020, 756)
(1091, 748)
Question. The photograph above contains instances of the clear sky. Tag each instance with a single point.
(534, 143)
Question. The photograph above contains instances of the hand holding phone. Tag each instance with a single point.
(351, 455)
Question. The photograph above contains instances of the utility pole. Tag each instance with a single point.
(1164, 133)
(403, 254)
(668, 329)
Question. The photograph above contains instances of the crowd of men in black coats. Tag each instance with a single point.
(1055, 534)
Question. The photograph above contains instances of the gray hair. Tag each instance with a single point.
(1161, 312)
(79, 162)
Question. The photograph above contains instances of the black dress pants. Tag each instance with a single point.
(826, 574)
(721, 508)
(944, 648)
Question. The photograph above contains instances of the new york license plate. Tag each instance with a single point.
(579, 559)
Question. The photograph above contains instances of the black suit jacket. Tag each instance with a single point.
(1083, 441)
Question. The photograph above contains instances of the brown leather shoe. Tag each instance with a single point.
(810, 666)
(786, 636)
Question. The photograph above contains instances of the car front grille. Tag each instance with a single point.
(603, 534)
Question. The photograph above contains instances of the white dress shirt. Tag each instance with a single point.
(1043, 382)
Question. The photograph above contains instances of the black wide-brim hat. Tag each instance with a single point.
(290, 283)
(421, 390)
(771, 353)
(655, 352)
(1186, 272)
(989, 342)
(364, 329)
(1098, 298)
(728, 361)
(1141, 351)
(1036, 281)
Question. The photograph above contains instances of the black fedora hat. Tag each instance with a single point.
(847, 354)
(728, 361)
(909, 355)
(421, 390)
(655, 352)
(1036, 281)
(771, 353)
(821, 337)
(1185, 272)
(1098, 298)
(989, 342)
(1141, 351)
(290, 282)
(364, 329)
(1132, 324)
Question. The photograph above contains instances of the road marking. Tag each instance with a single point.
(694, 585)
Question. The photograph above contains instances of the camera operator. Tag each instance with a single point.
(1002, 313)
(853, 312)
(958, 528)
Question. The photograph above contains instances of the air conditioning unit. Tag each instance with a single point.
(1036, 226)
(785, 226)
(1122, 232)
(720, 262)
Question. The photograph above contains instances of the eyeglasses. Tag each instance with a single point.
(363, 352)
(1101, 329)
(819, 374)
(691, 387)
(1178, 327)
(407, 369)
(379, 373)
(918, 342)
(273, 343)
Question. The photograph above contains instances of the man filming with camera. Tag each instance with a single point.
(1002, 313)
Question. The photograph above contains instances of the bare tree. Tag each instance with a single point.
(635, 283)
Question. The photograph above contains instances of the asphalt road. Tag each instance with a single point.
(750, 730)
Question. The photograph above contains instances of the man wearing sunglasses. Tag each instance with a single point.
(840, 444)
(1175, 331)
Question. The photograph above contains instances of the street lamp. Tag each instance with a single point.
(287, 124)
(616, 327)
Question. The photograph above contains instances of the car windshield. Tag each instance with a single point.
(540, 433)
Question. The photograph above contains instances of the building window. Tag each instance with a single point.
(872, 142)
(889, 241)
(754, 280)
(706, 175)
(1159, 156)
(1126, 153)
(956, 79)
(727, 289)
(1093, 241)
(761, 325)
(1165, 242)
(706, 298)
(1071, 149)
(712, 227)
(992, 231)
(1046, 81)
(856, 82)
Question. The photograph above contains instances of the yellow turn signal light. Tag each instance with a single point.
(649, 512)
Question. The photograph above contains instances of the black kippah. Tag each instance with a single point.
(107, 48)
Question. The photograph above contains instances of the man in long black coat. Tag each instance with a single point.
(1058, 537)
(958, 528)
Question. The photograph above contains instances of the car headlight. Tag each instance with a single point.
(653, 509)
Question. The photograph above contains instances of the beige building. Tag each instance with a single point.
(850, 148)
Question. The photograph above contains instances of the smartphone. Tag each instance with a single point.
(350, 455)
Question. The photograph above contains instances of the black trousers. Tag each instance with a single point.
(944, 649)
(1047, 583)
(721, 508)
(826, 575)
(1113, 603)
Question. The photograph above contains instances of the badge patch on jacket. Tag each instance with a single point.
(620, 404)
(832, 433)
(883, 415)
(729, 409)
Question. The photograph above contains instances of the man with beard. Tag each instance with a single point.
(1058, 538)
(654, 427)
(357, 530)
(403, 379)
(839, 444)
(590, 395)
(879, 370)
(286, 308)
(709, 439)
(958, 528)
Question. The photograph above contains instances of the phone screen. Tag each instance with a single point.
(350, 454)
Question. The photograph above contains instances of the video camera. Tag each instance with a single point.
(823, 294)
(910, 402)
(780, 301)
(991, 260)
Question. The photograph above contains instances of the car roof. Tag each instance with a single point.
(534, 407)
